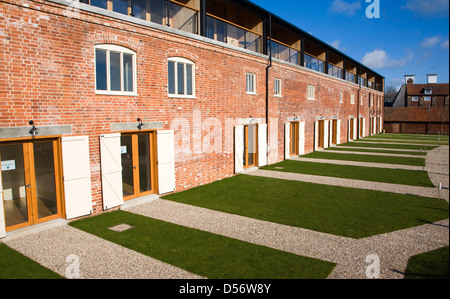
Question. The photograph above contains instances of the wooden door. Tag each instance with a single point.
(138, 151)
(31, 182)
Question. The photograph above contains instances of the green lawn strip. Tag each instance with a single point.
(367, 158)
(14, 265)
(373, 174)
(405, 141)
(388, 145)
(430, 265)
(410, 137)
(203, 253)
(366, 150)
(347, 212)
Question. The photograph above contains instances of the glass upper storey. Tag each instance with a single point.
(228, 22)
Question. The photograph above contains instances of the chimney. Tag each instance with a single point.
(409, 79)
(432, 78)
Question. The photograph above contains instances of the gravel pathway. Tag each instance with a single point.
(61, 248)
(358, 184)
(392, 249)
(357, 163)
(372, 154)
(73, 253)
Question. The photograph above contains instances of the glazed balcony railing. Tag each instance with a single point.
(285, 53)
(226, 32)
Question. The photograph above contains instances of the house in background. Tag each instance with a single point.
(419, 108)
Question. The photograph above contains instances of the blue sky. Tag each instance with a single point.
(410, 37)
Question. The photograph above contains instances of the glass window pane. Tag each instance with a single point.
(145, 183)
(126, 147)
(114, 76)
(14, 198)
(47, 203)
(180, 78)
(140, 9)
(127, 72)
(120, 6)
(100, 3)
(157, 8)
(189, 82)
(171, 77)
(100, 70)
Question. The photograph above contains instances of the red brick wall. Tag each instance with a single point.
(432, 120)
(47, 75)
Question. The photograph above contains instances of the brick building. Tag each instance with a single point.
(106, 101)
(420, 108)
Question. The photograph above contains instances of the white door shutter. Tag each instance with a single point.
(325, 134)
(316, 135)
(338, 132)
(363, 127)
(166, 161)
(381, 125)
(301, 138)
(76, 176)
(355, 128)
(111, 166)
(2, 213)
(287, 141)
(349, 138)
(238, 149)
(262, 145)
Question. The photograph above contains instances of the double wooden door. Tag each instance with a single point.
(30, 182)
(138, 152)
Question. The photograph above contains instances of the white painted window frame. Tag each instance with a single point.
(250, 83)
(122, 50)
(184, 61)
(311, 92)
(277, 88)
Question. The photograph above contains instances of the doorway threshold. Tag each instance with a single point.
(34, 229)
(138, 201)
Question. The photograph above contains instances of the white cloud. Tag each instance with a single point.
(430, 41)
(428, 8)
(379, 59)
(444, 45)
(341, 6)
(336, 44)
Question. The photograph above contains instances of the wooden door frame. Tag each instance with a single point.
(30, 179)
(352, 129)
(153, 160)
(334, 124)
(255, 160)
(296, 126)
(321, 133)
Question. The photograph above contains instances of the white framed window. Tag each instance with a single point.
(181, 78)
(251, 83)
(341, 96)
(311, 92)
(427, 99)
(277, 87)
(415, 98)
(428, 91)
(361, 101)
(115, 70)
(352, 99)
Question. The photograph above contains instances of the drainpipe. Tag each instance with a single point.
(267, 72)
(358, 103)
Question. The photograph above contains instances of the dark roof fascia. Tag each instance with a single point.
(265, 14)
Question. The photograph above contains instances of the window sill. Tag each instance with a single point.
(278, 96)
(175, 96)
(310, 99)
(112, 93)
(252, 93)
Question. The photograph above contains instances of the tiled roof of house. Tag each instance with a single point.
(419, 89)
